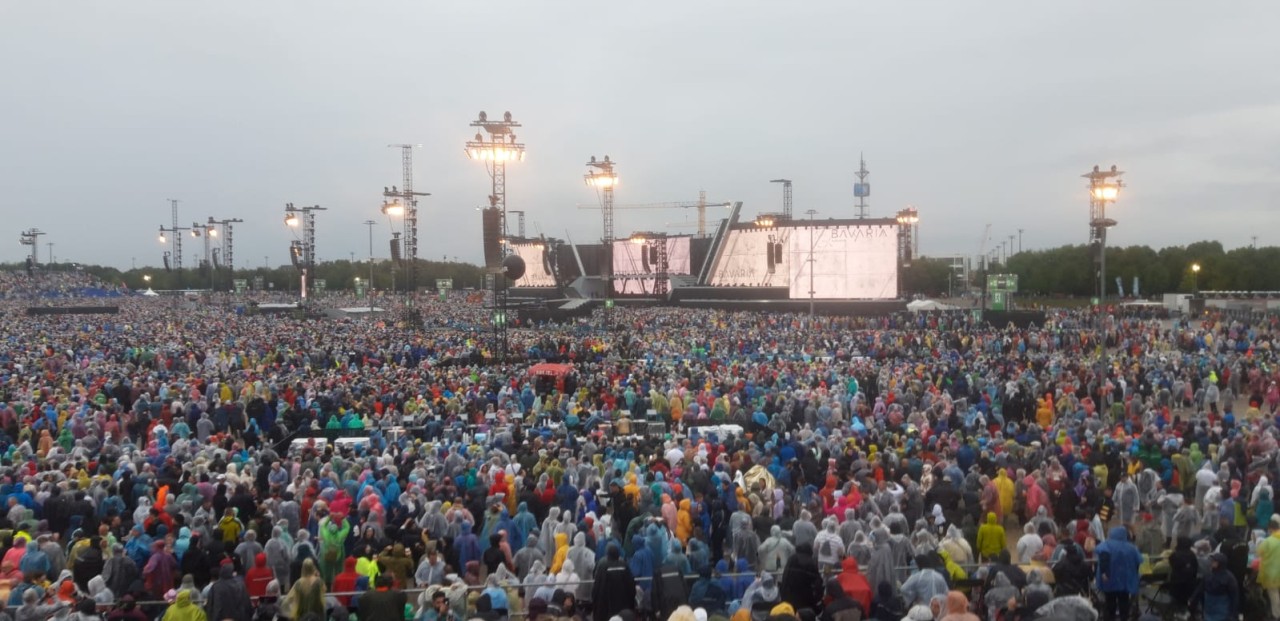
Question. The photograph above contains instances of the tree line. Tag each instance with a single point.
(1071, 271)
(338, 276)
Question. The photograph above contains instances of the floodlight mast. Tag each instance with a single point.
(495, 145)
(1104, 187)
(409, 203)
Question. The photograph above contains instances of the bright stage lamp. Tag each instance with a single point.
(1107, 192)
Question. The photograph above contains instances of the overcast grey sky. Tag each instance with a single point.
(976, 112)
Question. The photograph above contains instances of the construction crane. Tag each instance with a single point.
(982, 262)
(982, 247)
(701, 205)
(786, 197)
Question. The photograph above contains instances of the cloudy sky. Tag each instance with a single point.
(977, 112)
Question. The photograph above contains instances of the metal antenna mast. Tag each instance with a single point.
(409, 202)
(862, 189)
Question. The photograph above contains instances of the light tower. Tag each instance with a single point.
(175, 232)
(409, 199)
(655, 246)
(1104, 187)
(305, 255)
(602, 177)
(177, 235)
(207, 232)
(908, 234)
(786, 197)
(227, 243)
(228, 240)
(394, 209)
(31, 237)
(495, 149)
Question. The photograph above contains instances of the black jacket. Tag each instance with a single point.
(801, 584)
(613, 590)
(228, 598)
(382, 605)
(669, 590)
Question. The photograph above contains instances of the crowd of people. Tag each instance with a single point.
(184, 461)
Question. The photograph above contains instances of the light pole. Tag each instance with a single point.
(495, 150)
(304, 253)
(1104, 187)
(370, 223)
(1019, 241)
(1195, 279)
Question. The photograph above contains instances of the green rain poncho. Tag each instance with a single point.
(332, 538)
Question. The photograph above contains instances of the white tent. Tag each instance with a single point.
(149, 293)
(918, 306)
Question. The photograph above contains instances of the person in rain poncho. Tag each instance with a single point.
(527, 555)
(881, 567)
(829, 546)
(991, 538)
(1029, 545)
(584, 565)
(183, 609)
(1127, 499)
(956, 546)
(775, 551)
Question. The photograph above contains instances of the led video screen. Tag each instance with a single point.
(753, 258)
(536, 272)
(630, 259)
(849, 261)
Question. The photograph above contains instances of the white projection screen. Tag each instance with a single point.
(850, 261)
(535, 269)
(633, 272)
(745, 262)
